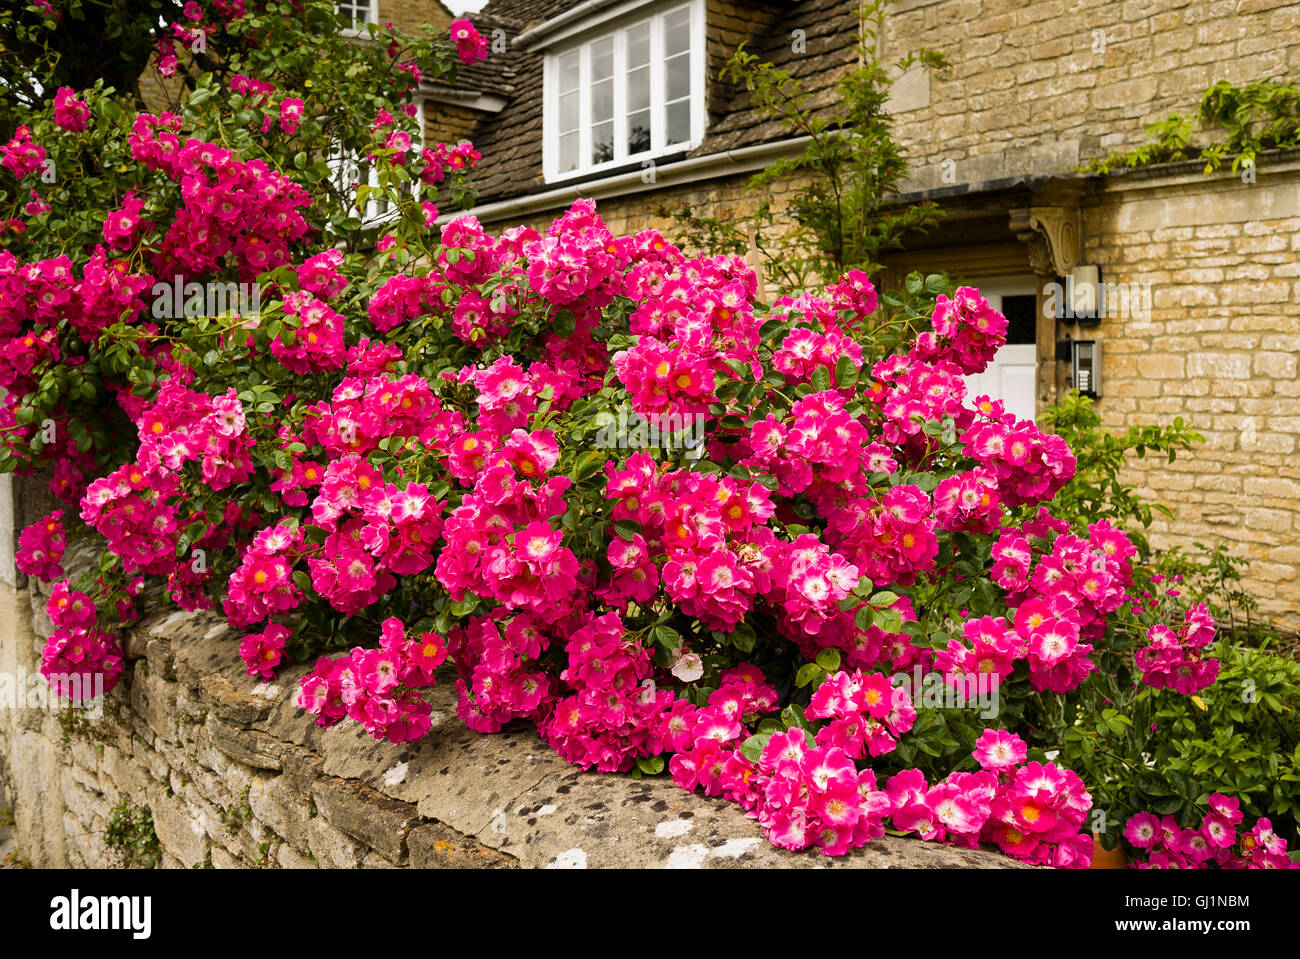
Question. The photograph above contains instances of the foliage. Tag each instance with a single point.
(131, 835)
(844, 176)
(331, 96)
(1262, 115)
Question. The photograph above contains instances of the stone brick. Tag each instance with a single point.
(365, 814)
(287, 857)
(248, 746)
(278, 804)
(1280, 365)
(180, 832)
(333, 848)
(435, 846)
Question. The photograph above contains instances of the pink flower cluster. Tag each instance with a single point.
(611, 718)
(379, 688)
(1033, 812)
(369, 408)
(1029, 465)
(262, 652)
(22, 155)
(1218, 842)
(1175, 660)
(315, 336)
(500, 540)
(134, 510)
(867, 713)
(182, 426)
(471, 47)
(46, 293)
(263, 584)
(803, 351)
(891, 538)
(816, 796)
(230, 207)
(444, 160)
(1062, 599)
(77, 650)
(41, 546)
(690, 332)
(966, 331)
(70, 113)
(823, 443)
(912, 393)
(376, 532)
(500, 676)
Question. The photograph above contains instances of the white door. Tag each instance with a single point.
(1013, 374)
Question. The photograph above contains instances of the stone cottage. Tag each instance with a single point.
(1173, 292)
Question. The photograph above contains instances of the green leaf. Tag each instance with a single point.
(807, 673)
(846, 372)
(666, 636)
(651, 766)
(829, 659)
(752, 748)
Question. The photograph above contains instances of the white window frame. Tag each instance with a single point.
(658, 131)
(369, 15)
(347, 167)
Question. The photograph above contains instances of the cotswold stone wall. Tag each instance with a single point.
(1040, 87)
(236, 776)
(1220, 348)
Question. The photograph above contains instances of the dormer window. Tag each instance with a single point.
(625, 94)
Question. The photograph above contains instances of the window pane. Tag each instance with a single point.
(1021, 315)
(638, 45)
(602, 101)
(568, 152)
(569, 72)
(602, 59)
(678, 74)
(638, 132)
(677, 32)
(678, 121)
(568, 116)
(602, 142)
(638, 90)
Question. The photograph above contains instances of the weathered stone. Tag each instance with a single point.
(180, 831)
(276, 802)
(222, 859)
(248, 746)
(154, 699)
(287, 857)
(333, 848)
(365, 814)
(436, 846)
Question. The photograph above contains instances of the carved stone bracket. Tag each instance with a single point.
(1051, 234)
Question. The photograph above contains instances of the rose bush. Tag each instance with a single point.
(848, 609)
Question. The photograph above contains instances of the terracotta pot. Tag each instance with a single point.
(1103, 858)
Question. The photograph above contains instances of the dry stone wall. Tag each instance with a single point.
(235, 775)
